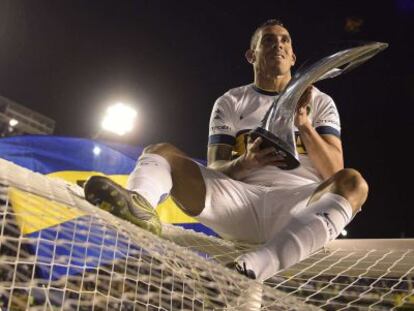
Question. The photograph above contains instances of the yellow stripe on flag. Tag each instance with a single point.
(34, 213)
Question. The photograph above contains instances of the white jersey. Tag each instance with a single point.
(242, 109)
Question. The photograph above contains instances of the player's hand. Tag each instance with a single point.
(256, 157)
(301, 116)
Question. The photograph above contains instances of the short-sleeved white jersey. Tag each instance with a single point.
(242, 109)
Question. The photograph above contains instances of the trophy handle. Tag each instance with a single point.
(282, 148)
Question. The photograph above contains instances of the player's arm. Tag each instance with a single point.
(219, 157)
(325, 151)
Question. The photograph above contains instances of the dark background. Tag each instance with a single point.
(171, 59)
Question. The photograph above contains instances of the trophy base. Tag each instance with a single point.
(271, 140)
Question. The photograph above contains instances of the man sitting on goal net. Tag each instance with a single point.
(242, 195)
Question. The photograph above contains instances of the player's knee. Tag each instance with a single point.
(160, 148)
(350, 183)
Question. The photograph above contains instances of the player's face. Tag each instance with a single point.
(273, 53)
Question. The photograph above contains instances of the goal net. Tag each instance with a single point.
(58, 252)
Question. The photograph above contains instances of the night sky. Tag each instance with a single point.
(70, 59)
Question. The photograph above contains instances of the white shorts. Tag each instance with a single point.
(249, 213)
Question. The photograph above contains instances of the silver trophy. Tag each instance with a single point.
(277, 129)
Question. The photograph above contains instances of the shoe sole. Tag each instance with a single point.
(111, 197)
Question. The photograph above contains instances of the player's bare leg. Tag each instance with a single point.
(188, 190)
(161, 170)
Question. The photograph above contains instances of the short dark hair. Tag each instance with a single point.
(269, 22)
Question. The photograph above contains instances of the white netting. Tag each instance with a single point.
(58, 252)
(354, 275)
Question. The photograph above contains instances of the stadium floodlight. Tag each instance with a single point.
(119, 119)
(13, 122)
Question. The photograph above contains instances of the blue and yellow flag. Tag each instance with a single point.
(74, 159)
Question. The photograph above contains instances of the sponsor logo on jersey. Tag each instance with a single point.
(218, 115)
(220, 128)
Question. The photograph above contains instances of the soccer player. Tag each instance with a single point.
(242, 195)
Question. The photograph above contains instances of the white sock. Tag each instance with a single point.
(151, 178)
(309, 230)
